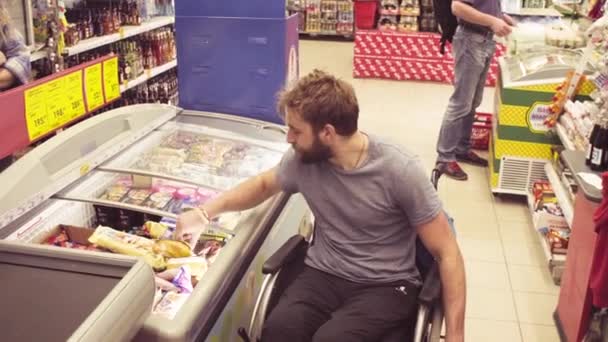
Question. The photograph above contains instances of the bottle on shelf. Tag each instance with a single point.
(589, 152)
(599, 148)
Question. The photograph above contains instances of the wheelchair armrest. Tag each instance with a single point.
(431, 288)
(284, 254)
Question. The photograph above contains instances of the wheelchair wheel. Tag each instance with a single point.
(436, 325)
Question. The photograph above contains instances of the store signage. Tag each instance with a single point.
(111, 85)
(93, 80)
(536, 116)
(53, 104)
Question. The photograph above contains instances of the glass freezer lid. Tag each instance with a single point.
(121, 203)
(542, 64)
(199, 155)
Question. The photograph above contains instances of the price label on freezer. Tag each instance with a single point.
(94, 86)
(74, 98)
(36, 116)
(110, 79)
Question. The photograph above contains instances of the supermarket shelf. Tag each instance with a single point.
(327, 34)
(148, 74)
(562, 195)
(552, 259)
(563, 136)
(127, 31)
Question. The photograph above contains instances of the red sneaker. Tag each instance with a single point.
(452, 170)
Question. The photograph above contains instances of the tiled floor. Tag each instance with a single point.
(511, 296)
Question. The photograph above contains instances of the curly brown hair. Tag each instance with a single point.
(321, 99)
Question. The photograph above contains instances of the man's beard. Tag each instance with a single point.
(316, 154)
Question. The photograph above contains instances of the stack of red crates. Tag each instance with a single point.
(408, 56)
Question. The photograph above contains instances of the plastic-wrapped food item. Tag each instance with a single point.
(181, 140)
(172, 248)
(198, 265)
(127, 244)
(210, 245)
(115, 193)
(158, 200)
(157, 230)
(136, 196)
(164, 285)
(170, 304)
(183, 280)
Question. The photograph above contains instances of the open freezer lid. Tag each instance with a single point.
(71, 154)
(52, 294)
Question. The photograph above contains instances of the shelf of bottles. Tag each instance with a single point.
(324, 17)
(91, 24)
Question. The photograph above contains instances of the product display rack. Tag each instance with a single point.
(324, 18)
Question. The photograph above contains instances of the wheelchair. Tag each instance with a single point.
(285, 264)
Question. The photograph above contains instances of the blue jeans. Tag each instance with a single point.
(473, 53)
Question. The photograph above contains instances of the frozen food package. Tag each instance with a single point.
(157, 230)
(172, 248)
(115, 193)
(169, 305)
(127, 244)
(136, 196)
(158, 200)
(198, 265)
(165, 285)
(183, 280)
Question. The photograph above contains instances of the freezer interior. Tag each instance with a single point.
(50, 295)
(129, 204)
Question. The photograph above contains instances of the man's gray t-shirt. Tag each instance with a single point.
(491, 7)
(365, 218)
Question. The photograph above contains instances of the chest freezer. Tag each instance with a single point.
(145, 163)
(66, 295)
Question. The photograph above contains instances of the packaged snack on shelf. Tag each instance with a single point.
(170, 304)
(408, 24)
(558, 240)
(389, 7)
(387, 23)
(409, 8)
(127, 244)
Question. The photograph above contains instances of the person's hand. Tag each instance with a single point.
(509, 20)
(2, 58)
(500, 27)
(190, 225)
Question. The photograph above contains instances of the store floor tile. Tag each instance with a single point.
(495, 331)
(538, 333)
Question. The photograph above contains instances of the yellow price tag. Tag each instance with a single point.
(84, 169)
(35, 112)
(93, 87)
(56, 107)
(110, 79)
(74, 98)
(149, 73)
(121, 33)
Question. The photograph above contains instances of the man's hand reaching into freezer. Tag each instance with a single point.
(190, 225)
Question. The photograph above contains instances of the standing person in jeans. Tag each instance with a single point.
(15, 68)
(473, 48)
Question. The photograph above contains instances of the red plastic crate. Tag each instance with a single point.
(481, 132)
(365, 13)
